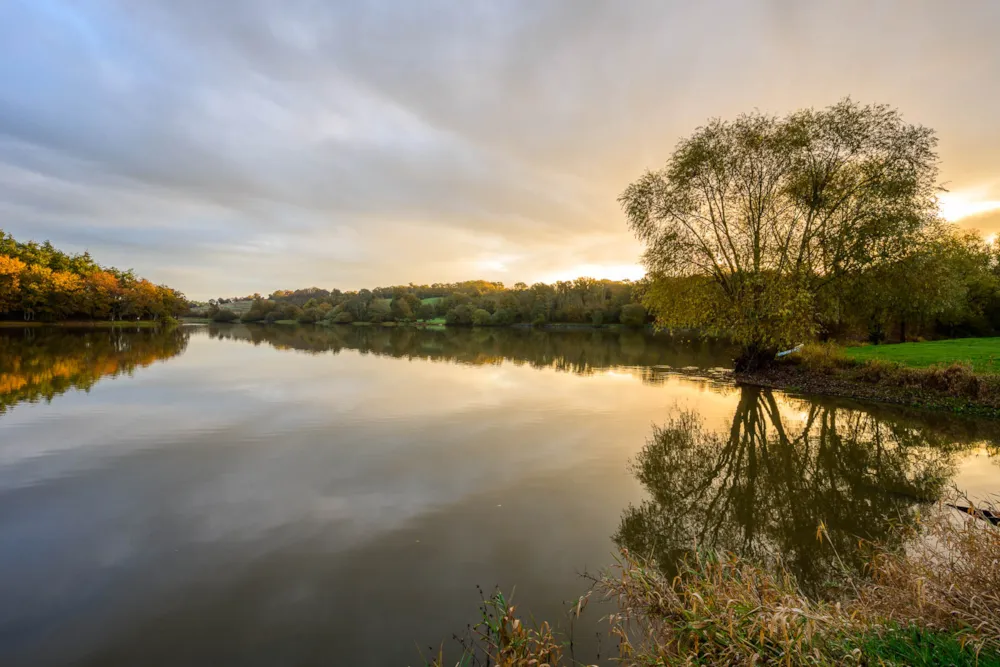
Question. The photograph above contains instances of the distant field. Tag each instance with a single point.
(238, 307)
(984, 353)
(433, 300)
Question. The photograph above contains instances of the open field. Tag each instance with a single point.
(433, 300)
(983, 353)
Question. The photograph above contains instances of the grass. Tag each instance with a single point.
(916, 646)
(433, 300)
(827, 368)
(982, 353)
(936, 603)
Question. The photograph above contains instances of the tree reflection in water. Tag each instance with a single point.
(42, 363)
(762, 488)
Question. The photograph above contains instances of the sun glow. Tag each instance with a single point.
(958, 205)
(598, 271)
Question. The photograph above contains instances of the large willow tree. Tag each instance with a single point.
(754, 222)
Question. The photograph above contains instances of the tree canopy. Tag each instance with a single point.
(763, 215)
(40, 282)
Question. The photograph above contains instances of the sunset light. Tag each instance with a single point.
(325, 326)
(956, 206)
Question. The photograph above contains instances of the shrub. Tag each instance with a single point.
(225, 316)
(633, 315)
(502, 317)
(481, 318)
(822, 357)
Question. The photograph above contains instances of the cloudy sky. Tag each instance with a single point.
(226, 147)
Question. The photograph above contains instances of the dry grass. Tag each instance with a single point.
(718, 610)
(936, 603)
(502, 639)
(957, 380)
(949, 580)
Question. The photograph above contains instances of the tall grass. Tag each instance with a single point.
(936, 603)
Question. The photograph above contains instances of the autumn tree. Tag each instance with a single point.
(769, 214)
(11, 269)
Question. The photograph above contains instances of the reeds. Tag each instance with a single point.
(936, 602)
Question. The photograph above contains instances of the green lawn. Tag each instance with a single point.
(433, 300)
(984, 353)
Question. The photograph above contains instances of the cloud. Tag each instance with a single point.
(227, 147)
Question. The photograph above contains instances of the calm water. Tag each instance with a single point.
(281, 496)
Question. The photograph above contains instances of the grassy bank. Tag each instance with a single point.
(983, 354)
(910, 375)
(936, 603)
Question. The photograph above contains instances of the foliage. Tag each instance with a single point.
(39, 282)
(774, 213)
(582, 301)
(224, 315)
(633, 315)
(481, 317)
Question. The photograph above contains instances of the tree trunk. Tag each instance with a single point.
(902, 331)
(753, 357)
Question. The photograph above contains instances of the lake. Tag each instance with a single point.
(306, 496)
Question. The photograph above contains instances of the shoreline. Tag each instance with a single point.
(798, 379)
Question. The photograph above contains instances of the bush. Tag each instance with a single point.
(481, 318)
(225, 316)
(426, 311)
(502, 317)
(822, 357)
(459, 315)
(343, 317)
(633, 315)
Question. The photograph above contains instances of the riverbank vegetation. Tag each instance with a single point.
(909, 376)
(39, 283)
(822, 224)
(935, 602)
(584, 301)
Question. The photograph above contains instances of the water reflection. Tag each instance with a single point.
(581, 351)
(42, 363)
(762, 486)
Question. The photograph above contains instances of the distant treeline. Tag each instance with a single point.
(476, 302)
(40, 282)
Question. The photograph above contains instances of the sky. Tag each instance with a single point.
(231, 147)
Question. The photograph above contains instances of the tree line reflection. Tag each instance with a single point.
(579, 351)
(762, 486)
(42, 363)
